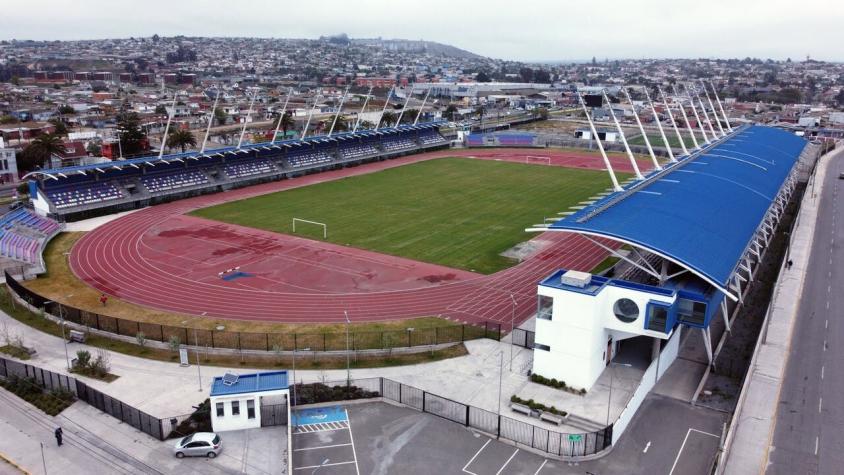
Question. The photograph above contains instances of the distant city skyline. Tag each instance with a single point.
(537, 31)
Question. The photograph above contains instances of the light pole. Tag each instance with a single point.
(64, 338)
(119, 131)
(609, 397)
(512, 325)
(348, 370)
(198, 369)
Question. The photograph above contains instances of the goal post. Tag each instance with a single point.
(315, 223)
(538, 159)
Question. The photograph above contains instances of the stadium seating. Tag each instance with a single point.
(257, 167)
(23, 233)
(355, 150)
(173, 181)
(79, 195)
(307, 158)
(475, 140)
(397, 144)
(431, 137)
(516, 140)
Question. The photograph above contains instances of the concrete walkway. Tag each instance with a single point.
(165, 389)
(750, 437)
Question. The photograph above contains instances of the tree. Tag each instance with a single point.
(388, 119)
(94, 149)
(65, 109)
(483, 77)
(220, 116)
(526, 74)
(39, 151)
(542, 76)
(161, 109)
(450, 112)
(181, 138)
(59, 126)
(365, 124)
(541, 112)
(409, 116)
(8, 119)
(840, 97)
(287, 123)
(131, 135)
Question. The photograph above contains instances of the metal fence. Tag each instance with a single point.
(370, 340)
(523, 338)
(517, 431)
(111, 406)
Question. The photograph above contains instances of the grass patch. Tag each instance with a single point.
(656, 140)
(304, 360)
(604, 265)
(456, 212)
(61, 285)
(15, 351)
(52, 402)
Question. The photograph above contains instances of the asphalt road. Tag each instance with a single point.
(807, 437)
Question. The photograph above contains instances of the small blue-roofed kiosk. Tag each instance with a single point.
(689, 238)
(242, 401)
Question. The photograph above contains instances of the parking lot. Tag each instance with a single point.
(322, 442)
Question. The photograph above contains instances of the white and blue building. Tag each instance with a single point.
(236, 402)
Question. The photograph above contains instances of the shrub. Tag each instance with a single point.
(83, 359)
(102, 364)
(198, 421)
(318, 392)
(175, 343)
(539, 379)
(537, 406)
(141, 339)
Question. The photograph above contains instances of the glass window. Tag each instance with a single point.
(540, 346)
(250, 409)
(625, 310)
(235, 408)
(220, 411)
(690, 311)
(657, 318)
(545, 307)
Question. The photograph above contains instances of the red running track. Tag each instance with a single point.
(160, 258)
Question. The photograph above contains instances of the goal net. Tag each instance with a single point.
(535, 159)
(308, 222)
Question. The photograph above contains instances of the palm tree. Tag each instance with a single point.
(342, 124)
(181, 138)
(389, 118)
(47, 145)
(409, 116)
(287, 123)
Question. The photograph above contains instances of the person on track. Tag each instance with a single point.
(58, 435)
(103, 299)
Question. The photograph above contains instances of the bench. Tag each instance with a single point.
(521, 408)
(76, 336)
(552, 418)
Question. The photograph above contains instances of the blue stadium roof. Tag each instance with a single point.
(703, 212)
(251, 383)
(265, 146)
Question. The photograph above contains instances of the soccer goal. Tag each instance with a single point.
(538, 160)
(315, 223)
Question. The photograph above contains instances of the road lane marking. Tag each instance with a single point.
(822, 368)
(685, 439)
(352, 440)
(507, 462)
(647, 446)
(474, 457)
(817, 441)
(323, 465)
(321, 447)
(826, 323)
(820, 404)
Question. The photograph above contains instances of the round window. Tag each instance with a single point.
(626, 310)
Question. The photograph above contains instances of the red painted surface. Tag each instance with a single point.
(160, 258)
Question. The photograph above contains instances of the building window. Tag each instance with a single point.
(545, 307)
(625, 310)
(691, 312)
(540, 346)
(657, 318)
(220, 411)
(250, 409)
(235, 408)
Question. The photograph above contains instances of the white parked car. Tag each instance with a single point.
(200, 444)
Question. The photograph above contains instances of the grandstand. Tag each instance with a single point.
(503, 139)
(77, 192)
(23, 236)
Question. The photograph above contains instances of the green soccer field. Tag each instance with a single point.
(457, 212)
(656, 139)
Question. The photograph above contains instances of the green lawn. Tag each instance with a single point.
(457, 212)
(656, 139)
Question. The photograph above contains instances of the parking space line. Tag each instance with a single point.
(540, 467)
(686, 439)
(507, 462)
(325, 465)
(474, 457)
(321, 447)
(352, 439)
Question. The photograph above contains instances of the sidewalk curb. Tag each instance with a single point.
(14, 464)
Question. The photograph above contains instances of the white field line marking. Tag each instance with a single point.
(647, 446)
(685, 439)
(826, 323)
(320, 447)
(817, 441)
(474, 457)
(352, 440)
(325, 465)
(507, 462)
(820, 404)
(540, 467)
(822, 368)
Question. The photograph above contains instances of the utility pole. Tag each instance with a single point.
(348, 370)
(198, 369)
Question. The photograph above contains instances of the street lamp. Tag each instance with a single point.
(64, 338)
(512, 325)
(609, 397)
(348, 370)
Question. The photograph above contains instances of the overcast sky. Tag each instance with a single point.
(509, 29)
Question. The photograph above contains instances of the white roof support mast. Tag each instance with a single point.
(705, 114)
(339, 110)
(386, 103)
(673, 122)
(419, 114)
(718, 99)
(659, 125)
(362, 109)
(404, 108)
(615, 185)
(642, 131)
(310, 115)
(686, 119)
(167, 127)
(712, 106)
(210, 121)
(623, 138)
(246, 120)
(283, 111)
(697, 117)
